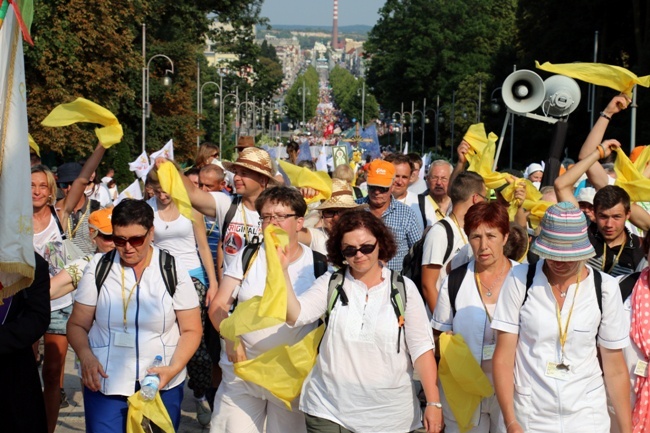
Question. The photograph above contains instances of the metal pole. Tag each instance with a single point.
(303, 102)
(411, 122)
(424, 115)
(144, 86)
(478, 112)
(633, 120)
(401, 127)
(592, 88)
(436, 131)
(453, 123)
(198, 103)
(512, 137)
(220, 112)
(363, 105)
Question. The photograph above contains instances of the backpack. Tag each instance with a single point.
(457, 275)
(412, 263)
(422, 207)
(230, 214)
(250, 250)
(397, 297)
(627, 283)
(167, 269)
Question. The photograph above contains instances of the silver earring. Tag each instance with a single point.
(345, 262)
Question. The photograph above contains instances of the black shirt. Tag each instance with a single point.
(629, 259)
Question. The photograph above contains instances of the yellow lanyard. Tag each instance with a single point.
(564, 334)
(243, 215)
(72, 232)
(127, 301)
(460, 230)
(436, 208)
(602, 266)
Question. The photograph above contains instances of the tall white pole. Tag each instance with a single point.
(144, 86)
(198, 104)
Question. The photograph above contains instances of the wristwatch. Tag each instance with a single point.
(434, 404)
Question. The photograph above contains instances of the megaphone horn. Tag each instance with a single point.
(523, 91)
(562, 95)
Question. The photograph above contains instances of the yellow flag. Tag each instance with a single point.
(462, 379)
(600, 74)
(630, 178)
(282, 370)
(83, 110)
(154, 409)
(481, 156)
(171, 182)
(267, 310)
(33, 144)
(302, 177)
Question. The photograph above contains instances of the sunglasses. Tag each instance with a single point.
(329, 213)
(105, 237)
(379, 189)
(364, 249)
(134, 241)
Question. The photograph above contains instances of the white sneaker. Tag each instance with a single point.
(203, 413)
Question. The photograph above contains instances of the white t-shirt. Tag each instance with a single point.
(49, 244)
(302, 278)
(176, 236)
(545, 403)
(360, 381)
(318, 240)
(435, 246)
(418, 187)
(244, 227)
(101, 194)
(430, 207)
(151, 320)
(411, 200)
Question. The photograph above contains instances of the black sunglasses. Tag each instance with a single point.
(105, 237)
(135, 241)
(379, 189)
(364, 249)
(329, 213)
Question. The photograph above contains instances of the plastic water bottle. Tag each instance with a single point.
(149, 385)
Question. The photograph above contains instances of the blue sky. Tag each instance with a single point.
(319, 12)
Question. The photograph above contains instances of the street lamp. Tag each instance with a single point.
(363, 103)
(495, 107)
(304, 92)
(425, 121)
(401, 126)
(167, 81)
(441, 119)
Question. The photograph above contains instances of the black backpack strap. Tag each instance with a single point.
(398, 301)
(103, 268)
(334, 292)
(450, 239)
(168, 271)
(320, 263)
(58, 223)
(230, 214)
(598, 283)
(421, 204)
(454, 281)
(627, 284)
(250, 251)
(530, 275)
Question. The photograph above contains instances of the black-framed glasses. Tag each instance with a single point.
(105, 237)
(365, 249)
(487, 199)
(379, 189)
(134, 241)
(277, 218)
(329, 213)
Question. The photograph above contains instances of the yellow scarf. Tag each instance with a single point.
(154, 409)
(171, 182)
(83, 110)
(302, 177)
(629, 176)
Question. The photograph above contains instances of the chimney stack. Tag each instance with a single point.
(335, 26)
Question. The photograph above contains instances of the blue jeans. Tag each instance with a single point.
(107, 413)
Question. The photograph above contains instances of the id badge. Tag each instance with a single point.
(124, 339)
(557, 371)
(641, 368)
(488, 351)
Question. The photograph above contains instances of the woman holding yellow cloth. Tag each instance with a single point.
(362, 380)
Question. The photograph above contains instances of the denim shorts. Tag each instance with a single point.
(59, 320)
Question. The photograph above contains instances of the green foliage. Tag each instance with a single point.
(295, 96)
(348, 94)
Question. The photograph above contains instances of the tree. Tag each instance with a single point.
(294, 96)
(347, 93)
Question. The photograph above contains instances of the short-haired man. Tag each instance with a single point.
(437, 203)
(403, 170)
(467, 189)
(400, 218)
(417, 185)
(241, 405)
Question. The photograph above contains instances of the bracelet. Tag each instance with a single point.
(511, 423)
(602, 114)
(434, 404)
(601, 151)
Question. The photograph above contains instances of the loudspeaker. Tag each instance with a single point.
(523, 91)
(562, 96)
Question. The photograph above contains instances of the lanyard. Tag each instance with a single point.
(460, 230)
(436, 208)
(564, 334)
(127, 301)
(214, 224)
(602, 266)
(72, 232)
(243, 214)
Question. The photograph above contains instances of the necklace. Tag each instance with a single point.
(488, 290)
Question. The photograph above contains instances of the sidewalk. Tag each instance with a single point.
(71, 419)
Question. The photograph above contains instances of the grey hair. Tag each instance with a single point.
(441, 162)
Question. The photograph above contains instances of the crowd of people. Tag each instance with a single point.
(552, 314)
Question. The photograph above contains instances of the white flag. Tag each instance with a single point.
(166, 152)
(321, 162)
(406, 148)
(140, 165)
(16, 227)
(425, 161)
(132, 191)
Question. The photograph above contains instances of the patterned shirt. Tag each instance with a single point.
(628, 259)
(403, 222)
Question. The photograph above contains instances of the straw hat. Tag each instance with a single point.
(563, 235)
(245, 141)
(342, 197)
(255, 159)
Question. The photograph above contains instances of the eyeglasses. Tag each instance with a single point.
(437, 179)
(379, 189)
(134, 241)
(277, 218)
(364, 249)
(329, 213)
(483, 197)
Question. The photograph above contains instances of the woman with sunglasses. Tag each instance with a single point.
(187, 241)
(362, 380)
(119, 328)
(477, 288)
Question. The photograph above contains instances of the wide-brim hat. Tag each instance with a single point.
(244, 142)
(254, 159)
(342, 197)
(563, 236)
